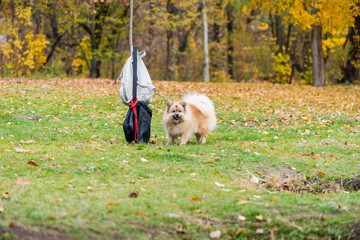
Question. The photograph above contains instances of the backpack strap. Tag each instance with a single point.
(134, 58)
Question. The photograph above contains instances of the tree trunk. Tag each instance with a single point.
(215, 37)
(279, 30)
(351, 73)
(206, 48)
(97, 20)
(230, 48)
(317, 57)
(170, 8)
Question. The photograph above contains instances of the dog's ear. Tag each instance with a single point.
(183, 104)
(168, 104)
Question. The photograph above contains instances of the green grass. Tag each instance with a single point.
(84, 165)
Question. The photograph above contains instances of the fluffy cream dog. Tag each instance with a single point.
(194, 115)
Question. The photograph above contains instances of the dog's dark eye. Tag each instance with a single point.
(173, 111)
(179, 110)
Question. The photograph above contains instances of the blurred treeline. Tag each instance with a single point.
(249, 40)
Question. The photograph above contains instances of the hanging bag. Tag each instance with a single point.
(145, 89)
(138, 118)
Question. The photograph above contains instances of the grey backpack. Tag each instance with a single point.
(145, 89)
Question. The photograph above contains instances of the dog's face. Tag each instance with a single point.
(176, 110)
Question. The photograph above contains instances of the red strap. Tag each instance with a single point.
(132, 105)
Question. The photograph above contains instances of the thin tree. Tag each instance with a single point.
(206, 48)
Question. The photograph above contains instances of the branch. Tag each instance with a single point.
(83, 52)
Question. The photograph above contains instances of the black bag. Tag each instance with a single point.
(143, 116)
(138, 118)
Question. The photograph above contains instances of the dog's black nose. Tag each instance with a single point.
(176, 115)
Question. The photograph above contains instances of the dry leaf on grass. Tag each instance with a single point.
(239, 231)
(219, 185)
(6, 195)
(144, 160)
(241, 218)
(242, 202)
(134, 194)
(254, 179)
(195, 198)
(22, 181)
(29, 141)
(32, 164)
(21, 150)
(112, 204)
(215, 234)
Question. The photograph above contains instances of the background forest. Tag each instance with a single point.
(249, 40)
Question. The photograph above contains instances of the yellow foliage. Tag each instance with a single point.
(282, 67)
(79, 63)
(23, 52)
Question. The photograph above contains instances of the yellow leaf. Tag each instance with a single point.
(242, 202)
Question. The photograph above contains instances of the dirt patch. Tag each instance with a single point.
(354, 231)
(23, 233)
(25, 117)
(288, 180)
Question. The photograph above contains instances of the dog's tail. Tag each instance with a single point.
(205, 106)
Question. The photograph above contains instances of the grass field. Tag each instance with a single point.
(283, 163)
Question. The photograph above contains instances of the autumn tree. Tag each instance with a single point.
(351, 70)
(322, 17)
(23, 50)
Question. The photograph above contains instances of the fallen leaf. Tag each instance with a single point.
(173, 215)
(292, 168)
(134, 194)
(6, 195)
(1, 209)
(321, 172)
(260, 231)
(141, 214)
(254, 179)
(30, 141)
(52, 217)
(112, 204)
(241, 218)
(215, 234)
(144, 160)
(239, 231)
(272, 201)
(20, 150)
(22, 181)
(163, 170)
(89, 188)
(219, 185)
(242, 202)
(32, 164)
(195, 198)
(194, 174)
(259, 218)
